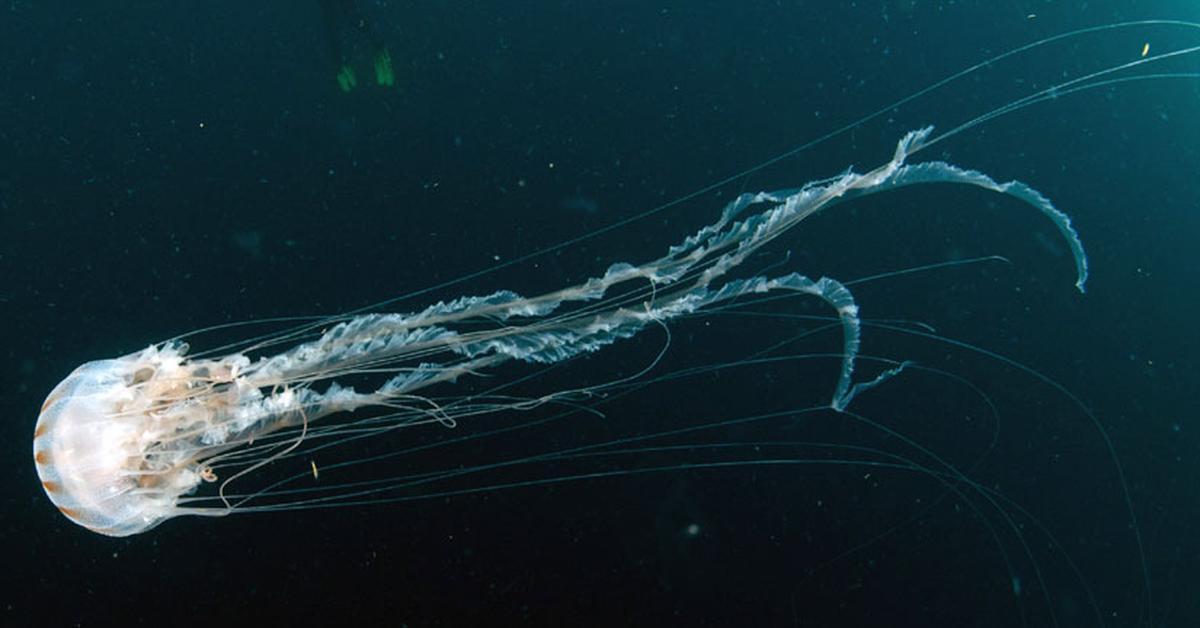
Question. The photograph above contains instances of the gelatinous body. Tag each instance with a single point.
(119, 442)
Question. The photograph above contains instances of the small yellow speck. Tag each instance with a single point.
(314, 468)
(1146, 49)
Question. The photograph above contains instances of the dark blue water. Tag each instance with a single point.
(165, 168)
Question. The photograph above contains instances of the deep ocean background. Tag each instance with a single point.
(170, 166)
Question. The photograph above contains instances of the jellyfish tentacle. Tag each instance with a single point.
(942, 172)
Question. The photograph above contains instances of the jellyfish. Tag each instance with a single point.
(120, 443)
(181, 428)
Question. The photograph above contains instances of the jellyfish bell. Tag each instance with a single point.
(81, 451)
(117, 440)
